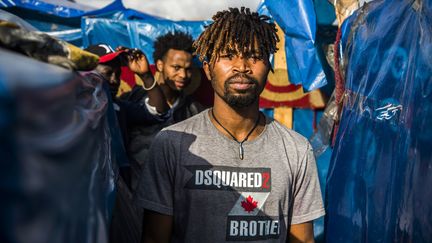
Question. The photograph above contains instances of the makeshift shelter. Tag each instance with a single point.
(57, 164)
(378, 186)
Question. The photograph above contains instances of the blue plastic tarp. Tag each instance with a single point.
(135, 29)
(298, 22)
(378, 186)
(61, 8)
(61, 19)
(116, 25)
(57, 166)
(4, 15)
(140, 33)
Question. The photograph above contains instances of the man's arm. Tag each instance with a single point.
(138, 63)
(156, 227)
(301, 233)
(138, 114)
(156, 97)
(307, 201)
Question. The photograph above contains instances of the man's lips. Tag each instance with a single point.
(181, 84)
(241, 85)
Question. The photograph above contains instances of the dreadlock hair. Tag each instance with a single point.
(177, 40)
(237, 31)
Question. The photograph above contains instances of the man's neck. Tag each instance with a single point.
(170, 95)
(238, 121)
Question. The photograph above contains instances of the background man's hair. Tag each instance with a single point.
(178, 41)
(237, 30)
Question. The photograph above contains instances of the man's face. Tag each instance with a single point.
(112, 74)
(176, 69)
(238, 80)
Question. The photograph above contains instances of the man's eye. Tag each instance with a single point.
(227, 56)
(176, 68)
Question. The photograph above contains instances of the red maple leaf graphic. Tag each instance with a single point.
(249, 204)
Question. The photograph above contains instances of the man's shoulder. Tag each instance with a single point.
(184, 131)
(188, 125)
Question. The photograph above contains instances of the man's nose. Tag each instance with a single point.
(182, 73)
(241, 64)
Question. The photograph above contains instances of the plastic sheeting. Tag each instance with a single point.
(61, 19)
(60, 8)
(345, 8)
(298, 21)
(56, 167)
(378, 187)
(45, 48)
(16, 20)
(139, 33)
(117, 25)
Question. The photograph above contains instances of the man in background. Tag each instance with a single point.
(173, 61)
(129, 113)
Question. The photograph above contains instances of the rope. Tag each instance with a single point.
(340, 83)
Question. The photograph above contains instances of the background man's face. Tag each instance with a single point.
(112, 74)
(176, 69)
(238, 80)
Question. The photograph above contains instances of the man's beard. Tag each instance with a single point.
(243, 98)
(172, 85)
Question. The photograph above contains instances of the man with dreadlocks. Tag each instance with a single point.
(230, 173)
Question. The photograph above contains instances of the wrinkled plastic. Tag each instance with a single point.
(57, 167)
(16, 20)
(345, 8)
(378, 187)
(61, 8)
(37, 45)
(61, 19)
(45, 48)
(139, 33)
(116, 25)
(298, 21)
(320, 140)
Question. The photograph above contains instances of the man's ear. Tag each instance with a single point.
(206, 67)
(159, 65)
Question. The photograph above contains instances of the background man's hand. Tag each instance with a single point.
(136, 60)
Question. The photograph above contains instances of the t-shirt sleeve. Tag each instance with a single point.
(156, 186)
(307, 204)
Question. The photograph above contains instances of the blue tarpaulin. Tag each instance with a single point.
(140, 32)
(60, 8)
(378, 187)
(57, 166)
(116, 25)
(61, 19)
(298, 22)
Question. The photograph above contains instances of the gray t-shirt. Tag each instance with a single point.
(194, 173)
